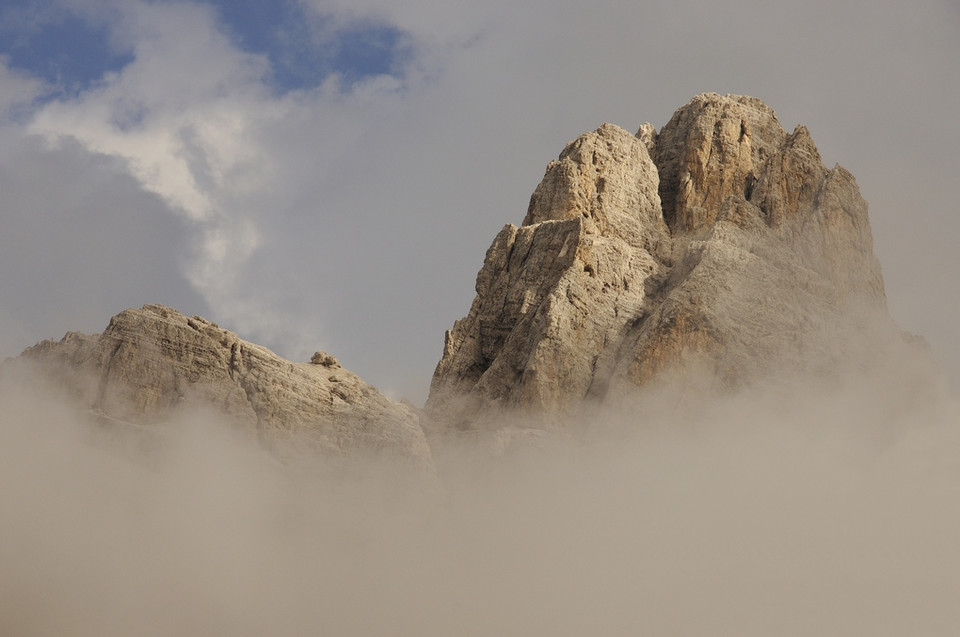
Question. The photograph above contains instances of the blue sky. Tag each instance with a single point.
(64, 49)
(300, 57)
(328, 174)
(71, 49)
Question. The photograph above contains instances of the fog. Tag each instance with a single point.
(793, 507)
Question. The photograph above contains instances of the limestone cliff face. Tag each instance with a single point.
(150, 363)
(721, 242)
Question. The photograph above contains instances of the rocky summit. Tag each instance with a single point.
(720, 243)
(153, 363)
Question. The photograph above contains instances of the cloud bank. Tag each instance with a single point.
(790, 509)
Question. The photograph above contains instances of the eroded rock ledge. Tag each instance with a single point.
(721, 243)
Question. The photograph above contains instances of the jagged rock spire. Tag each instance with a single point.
(721, 242)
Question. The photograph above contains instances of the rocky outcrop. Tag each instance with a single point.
(152, 363)
(721, 243)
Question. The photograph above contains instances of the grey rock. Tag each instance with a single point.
(720, 244)
(152, 363)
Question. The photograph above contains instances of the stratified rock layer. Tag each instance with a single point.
(153, 362)
(721, 243)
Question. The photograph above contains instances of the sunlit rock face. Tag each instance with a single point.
(718, 248)
(721, 244)
(153, 364)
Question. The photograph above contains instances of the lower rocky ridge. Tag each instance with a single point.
(719, 248)
(153, 364)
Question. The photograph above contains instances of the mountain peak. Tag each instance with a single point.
(152, 363)
(719, 243)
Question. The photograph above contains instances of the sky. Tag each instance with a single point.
(327, 175)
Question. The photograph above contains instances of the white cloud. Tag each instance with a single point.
(180, 116)
(178, 113)
(17, 91)
(81, 240)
